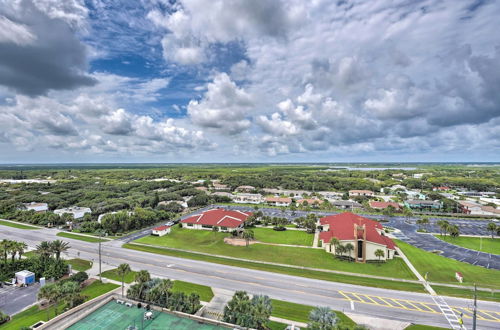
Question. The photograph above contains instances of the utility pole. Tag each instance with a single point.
(475, 308)
(100, 236)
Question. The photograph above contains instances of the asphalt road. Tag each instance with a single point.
(14, 299)
(338, 296)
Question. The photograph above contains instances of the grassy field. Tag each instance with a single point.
(17, 225)
(81, 237)
(366, 281)
(276, 325)
(442, 269)
(33, 314)
(466, 293)
(300, 313)
(292, 237)
(208, 241)
(113, 275)
(423, 327)
(488, 245)
(205, 292)
(79, 264)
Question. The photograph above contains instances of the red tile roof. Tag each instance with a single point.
(219, 217)
(161, 228)
(278, 199)
(342, 227)
(383, 205)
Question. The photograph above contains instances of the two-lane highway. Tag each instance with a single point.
(399, 305)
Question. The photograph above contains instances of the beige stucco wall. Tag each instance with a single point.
(369, 253)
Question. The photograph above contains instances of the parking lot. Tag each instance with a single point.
(15, 299)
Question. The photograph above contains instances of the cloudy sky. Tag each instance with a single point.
(249, 81)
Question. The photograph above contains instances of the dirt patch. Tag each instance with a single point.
(237, 241)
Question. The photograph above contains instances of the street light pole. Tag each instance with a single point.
(100, 263)
(475, 308)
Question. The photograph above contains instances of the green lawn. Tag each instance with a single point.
(488, 245)
(32, 315)
(300, 313)
(466, 293)
(442, 269)
(81, 237)
(79, 265)
(208, 241)
(205, 292)
(292, 237)
(112, 274)
(276, 325)
(17, 225)
(366, 281)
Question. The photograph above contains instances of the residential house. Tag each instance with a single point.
(278, 201)
(423, 205)
(365, 235)
(383, 205)
(444, 188)
(37, 207)
(314, 202)
(355, 193)
(219, 186)
(248, 198)
(345, 204)
(76, 211)
(224, 220)
(248, 189)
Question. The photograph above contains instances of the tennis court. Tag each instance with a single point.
(114, 316)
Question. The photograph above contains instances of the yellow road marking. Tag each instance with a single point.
(385, 301)
(376, 303)
(342, 293)
(397, 302)
(425, 305)
(493, 317)
(409, 303)
(355, 295)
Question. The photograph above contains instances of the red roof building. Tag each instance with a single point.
(364, 234)
(221, 218)
(384, 205)
(161, 230)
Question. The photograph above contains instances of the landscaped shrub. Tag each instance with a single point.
(279, 228)
(4, 317)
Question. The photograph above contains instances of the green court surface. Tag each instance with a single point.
(114, 316)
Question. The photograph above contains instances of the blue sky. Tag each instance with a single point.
(238, 81)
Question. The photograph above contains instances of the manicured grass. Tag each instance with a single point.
(442, 269)
(366, 281)
(466, 293)
(33, 314)
(208, 241)
(17, 225)
(276, 325)
(205, 292)
(488, 244)
(112, 274)
(79, 265)
(423, 327)
(300, 313)
(292, 237)
(81, 237)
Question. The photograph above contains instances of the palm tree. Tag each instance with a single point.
(424, 221)
(215, 229)
(322, 318)
(443, 226)
(407, 212)
(349, 248)
(262, 310)
(44, 249)
(21, 247)
(335, 242)
(141, 278)
(70, 293)
(50, 292)
(492, 227)
(58, 247)
(379, 253)
(122, 271)
(341, 249)
(248, 235)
